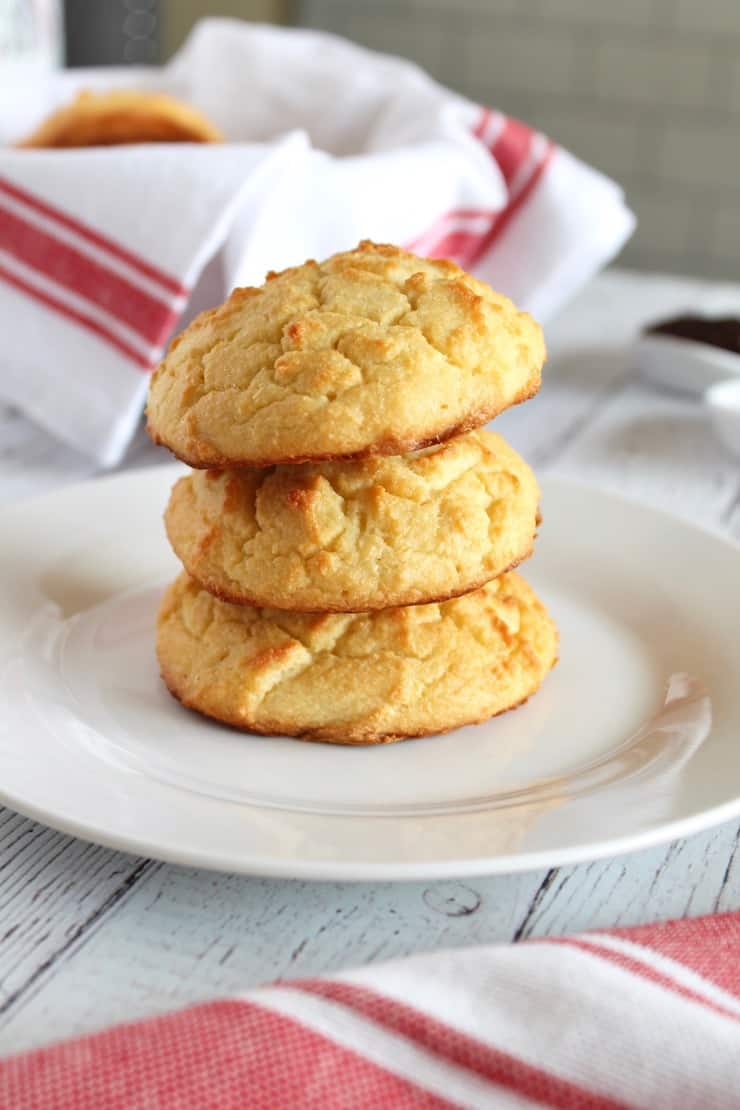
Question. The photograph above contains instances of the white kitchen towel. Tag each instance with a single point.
(104, 252)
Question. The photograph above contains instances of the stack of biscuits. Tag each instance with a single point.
(348, 530)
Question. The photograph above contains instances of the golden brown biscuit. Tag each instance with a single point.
(355, 678)
(122, 116)
(373, 352)
(370, 534)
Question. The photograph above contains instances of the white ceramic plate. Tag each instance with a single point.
(723, 402)
(683, 364)
(632, 740)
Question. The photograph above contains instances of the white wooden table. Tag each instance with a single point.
(90, 936)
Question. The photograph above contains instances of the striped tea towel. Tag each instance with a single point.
(646, 1017)
(105, 251)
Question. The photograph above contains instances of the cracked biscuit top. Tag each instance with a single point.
(373, 352)
(352, 536)
(356, 678)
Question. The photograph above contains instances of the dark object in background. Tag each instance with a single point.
(718, 331)
(112, 32)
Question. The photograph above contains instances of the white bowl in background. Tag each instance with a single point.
(684, 364)
(723, 401)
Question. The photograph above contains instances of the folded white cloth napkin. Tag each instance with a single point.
(105, 251)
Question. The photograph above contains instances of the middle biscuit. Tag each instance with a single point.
(355, 536)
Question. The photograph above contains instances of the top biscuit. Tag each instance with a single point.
(122, 116)
(373, 352)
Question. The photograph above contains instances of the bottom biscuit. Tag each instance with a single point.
(356, 678)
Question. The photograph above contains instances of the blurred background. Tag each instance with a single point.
(646, 90)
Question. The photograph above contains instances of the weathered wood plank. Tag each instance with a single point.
(592, 357)
(53, 889)
(659, 450)
(574, 390)
(690, 877)
(183, 935)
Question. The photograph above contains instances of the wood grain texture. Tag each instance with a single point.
(658, 450)
(53, 891)
(683, 879)
(183, 935)
(89, 936)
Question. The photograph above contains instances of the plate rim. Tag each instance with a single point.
(339, 871)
